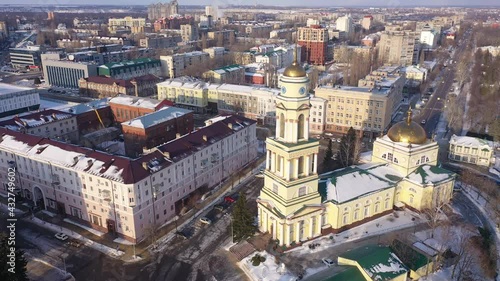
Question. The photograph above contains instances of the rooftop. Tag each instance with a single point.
(129, 63)
(427, 174)
(120, 82)
(379, 262)
(470, 141)
(9, 89)
(135, 101)
(35, 119)
(157, 117)
(86, 107)
(360, 90)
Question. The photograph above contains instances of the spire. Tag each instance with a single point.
(408, 118)
(295, 53)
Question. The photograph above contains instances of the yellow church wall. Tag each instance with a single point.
(342, 215)
(420, 198)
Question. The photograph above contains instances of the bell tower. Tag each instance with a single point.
(291, 175)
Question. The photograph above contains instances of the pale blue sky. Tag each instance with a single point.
(381, 3)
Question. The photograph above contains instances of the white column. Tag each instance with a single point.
(288, 238)
(268, 156)
(282, 233)
(273, 162)
(311, 227)
(274, 222)
(282, 166)
(297, 233)
(315, 163)
(308, 165)
(288, 170)
(318, 223)
(265, 227)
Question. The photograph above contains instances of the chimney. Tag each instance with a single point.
(145, 165)
(166, 154)
(178, 135)
(205, 138)
(75, 160)
(230, 125)
(209, 122)
(89, 163)
(54, 116)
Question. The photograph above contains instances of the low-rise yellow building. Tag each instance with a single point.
(471, 150)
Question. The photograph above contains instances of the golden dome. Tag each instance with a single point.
(294, 70)
(407, 131)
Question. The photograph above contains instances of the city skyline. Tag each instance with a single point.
(297, 3)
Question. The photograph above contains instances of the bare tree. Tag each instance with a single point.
(465, 256)
(454, 110)
(433, 216)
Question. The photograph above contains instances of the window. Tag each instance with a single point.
(275, 188)
(282, 125)
(356, 214)
(411, 198)
(389, 156)
(367, 212)
(395, 160)
(384, 156)
(413, 190)
(387, 203)
(302, 191)
(344, 219)
(301, 127)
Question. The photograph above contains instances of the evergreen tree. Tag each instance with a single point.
(243, 221)
(347, 148)
(328, 157)
(6, 273)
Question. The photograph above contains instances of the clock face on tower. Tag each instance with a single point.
(302, 90)
(283, 90)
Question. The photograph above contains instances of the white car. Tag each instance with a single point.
(61, 236)
(328, 262)
(205, 220)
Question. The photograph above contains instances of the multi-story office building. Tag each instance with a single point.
(163, 10)
(189, 32)
(48, 123)
(131, 69)
(15, 99)
(471, 150)
(317, 120)
(102, 86)
(184, 92)
(174, 65)
(28, 57)
(123, 196)
(65, 73)
(152, 129)
(135, 25)
(398, 47)
(314, 43)
(160, 42)
(429, 38)
(280, 57)
(216, 53)
(231, 74)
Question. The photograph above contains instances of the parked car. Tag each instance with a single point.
(328, 262)
(221, 207)
(75, 243)
(229, 199)
(61, 236)
(205, 220)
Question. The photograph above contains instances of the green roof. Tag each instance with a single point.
(426, 174)
(379, 262)
(410, 257)
(350, 274)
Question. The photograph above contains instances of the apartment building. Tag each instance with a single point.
(174, 65)
(91, 116)
(429, 38)
(120, 195)
(160, 42)
(279, 57)
(317, 120)
(226, 36)
(163, 10)
(131, 69)
(231, 74)
(50, 123)
(345, 24)
(28, 57)
(471, 150)
(185, 92)
(398, 47)
(153, 129)
(314, 43)
(16, 99)
(189, 32)
(102, 86)
(135, 25)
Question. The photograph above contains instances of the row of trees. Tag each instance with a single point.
(347, 154)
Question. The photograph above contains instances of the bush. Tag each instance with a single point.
(257, 259)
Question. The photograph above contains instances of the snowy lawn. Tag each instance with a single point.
(387, 223)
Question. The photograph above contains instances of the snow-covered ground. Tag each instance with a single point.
(45, 104)
(102, 248)
(387, 223)
(89, 229)
(269, 270)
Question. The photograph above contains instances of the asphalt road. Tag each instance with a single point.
(434, 107)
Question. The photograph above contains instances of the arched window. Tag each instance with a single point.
(301, 165)
(302, 191)
(367, 212)
(413, 190)
(282, 125)
(411, 198)
(422, 159)
(344, 219)
(387, 203)
(301, 127)
(356, 214)
(377, 206)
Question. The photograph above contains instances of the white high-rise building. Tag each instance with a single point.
(345, 24)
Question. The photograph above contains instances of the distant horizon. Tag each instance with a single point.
(392, 4)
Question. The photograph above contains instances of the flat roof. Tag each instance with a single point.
(9, 88)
